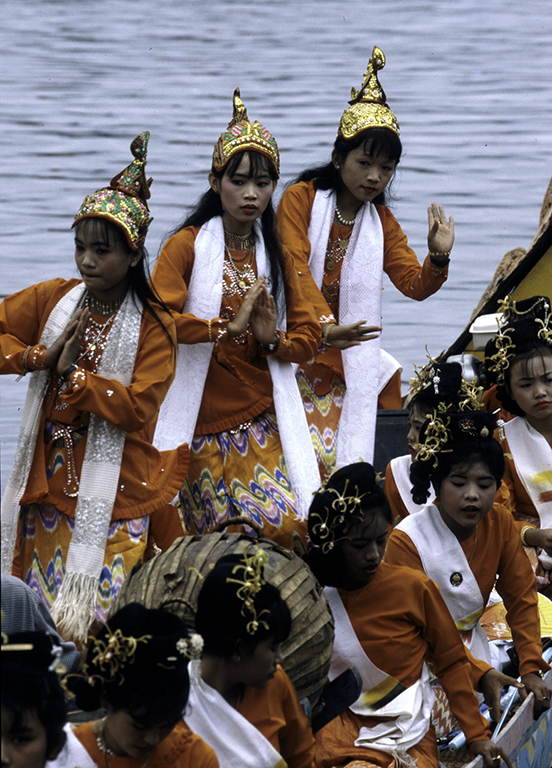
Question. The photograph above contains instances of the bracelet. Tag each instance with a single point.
(24, 360)
(522, 535)
(439, 254)
(272, 347)
(68, 371)
(325, 333)
(209, 329)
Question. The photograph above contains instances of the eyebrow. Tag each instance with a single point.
(96, 242)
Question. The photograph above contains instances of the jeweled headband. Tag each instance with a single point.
(368, 105)
(242, 135)
(124, 201)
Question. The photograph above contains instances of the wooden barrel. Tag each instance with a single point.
(173, 579)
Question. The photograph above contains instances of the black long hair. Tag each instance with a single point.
(141, 289)
(220, 618)
(377, 142)
(209, 205)
(153, 686)
(355, 481)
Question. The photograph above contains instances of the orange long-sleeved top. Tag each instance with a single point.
(275, 711)
(180, 749)
(523, 508)
(400, 262)
(400, 617)
(498, 552)
(148, 479)
(238, 385)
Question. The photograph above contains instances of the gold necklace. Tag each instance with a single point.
(241, 242)
(100, 738)
(99, 307)
(244, 272)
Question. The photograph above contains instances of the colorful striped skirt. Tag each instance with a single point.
(323, 413)
(45, 534)
(241, 472)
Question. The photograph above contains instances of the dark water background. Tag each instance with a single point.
(470, 82)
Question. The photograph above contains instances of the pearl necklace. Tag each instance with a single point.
(342, 220)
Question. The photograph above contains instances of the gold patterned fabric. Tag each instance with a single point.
(368, 105)
(124, 201)
(242, 135)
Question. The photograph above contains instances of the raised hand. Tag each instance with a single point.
(345, 336)
(239, 324)
(264, 318)
(73, 335)
(440, 236)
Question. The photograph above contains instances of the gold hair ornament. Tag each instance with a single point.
(191, 647)
(112, 654)
(437, 435)
(499, 363)
(251, 584)
(342, 506)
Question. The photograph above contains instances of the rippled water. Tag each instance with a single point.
(469, 81)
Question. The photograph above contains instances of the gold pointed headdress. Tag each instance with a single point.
(124, 201)
(242, 135)
(368, 105)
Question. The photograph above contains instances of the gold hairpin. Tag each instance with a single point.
(340, 507)
(251, 584)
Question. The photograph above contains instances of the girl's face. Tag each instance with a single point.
(24, 744)
(467, 495)
(243, 197)
(531, 386)
(364, 176)
(128, 738)
(258, 668)
(416, 419)
(362, 550)
(103, 265)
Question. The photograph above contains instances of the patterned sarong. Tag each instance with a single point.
(323, 414)
(45, 536)
(235, 473)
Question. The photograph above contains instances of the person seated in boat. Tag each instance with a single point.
(519, 361)
(137, 670)
(434, 386)
(466, 542)
(387, 620)
(86, 483)
(335, 221)
(241, 322)
(243, 620)
(34, 710)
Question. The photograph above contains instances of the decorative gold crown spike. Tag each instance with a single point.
(241, 135)
(368, 105)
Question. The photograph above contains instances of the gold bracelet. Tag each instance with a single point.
(25, 359)
(325, 333)
(522, 535)
(439, 254)
(209, 329)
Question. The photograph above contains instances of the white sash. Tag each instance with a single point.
(382, 695)
(180, 409)
(359, 299)
(73, 754)
(532, 456)
(237, 743)
(74, 608)
(442, 556)
(400, 467)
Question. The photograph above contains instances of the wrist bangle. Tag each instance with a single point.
(209, 329)
(439, 259)
(25, 359)
(68, 371)
(325, 333)
(272, 347)
(522, 535)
